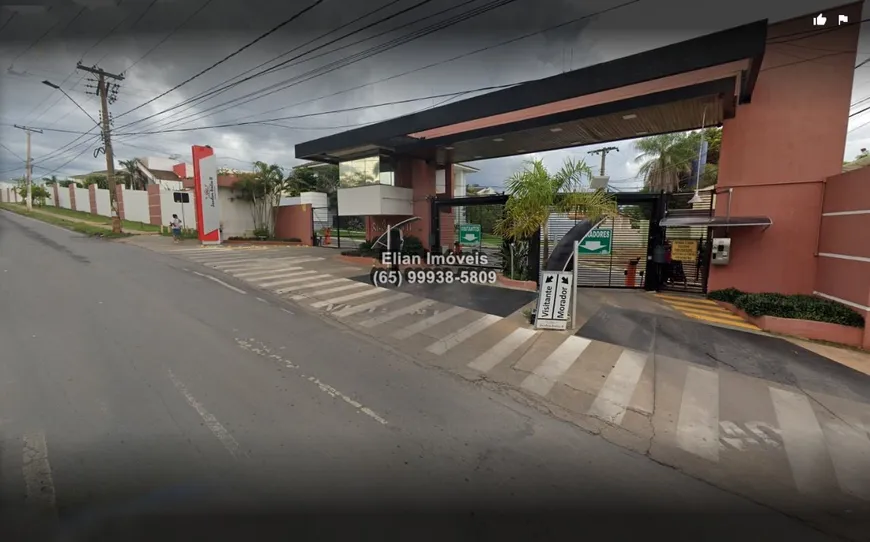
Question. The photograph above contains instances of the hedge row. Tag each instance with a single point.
(799, 307)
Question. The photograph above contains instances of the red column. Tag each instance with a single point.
(72, 196)
(92, 198)
(56, 195)
(155, 207)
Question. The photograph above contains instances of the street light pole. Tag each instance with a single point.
(29, 168)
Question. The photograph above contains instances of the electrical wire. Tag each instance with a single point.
(346, 61)
(9, 20)
(35, 42)
(172, 33)
(464, 55)
(13, 153)
(219, 89)
(201, 94)
(226, 58)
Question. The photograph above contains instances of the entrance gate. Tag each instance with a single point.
(689, 247)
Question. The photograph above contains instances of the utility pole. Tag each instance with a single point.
(603, 152)
(107, 93)
(29, 171)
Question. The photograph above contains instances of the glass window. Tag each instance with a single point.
(363, 171)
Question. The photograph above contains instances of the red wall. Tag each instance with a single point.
(776, 151)
(843, 270)
(295, 221)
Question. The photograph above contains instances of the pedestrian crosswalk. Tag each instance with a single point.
(697, 410)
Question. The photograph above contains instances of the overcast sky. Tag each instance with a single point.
(158, 44)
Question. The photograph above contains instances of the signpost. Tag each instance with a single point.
(469, 234)
(597, 242)
(208, 217)
(554, 301)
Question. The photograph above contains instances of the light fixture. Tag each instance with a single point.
(642, 133)
(498, 140)
(554, 130)
(575, 143)
(448, 148)
(521, 150)
(629, 116)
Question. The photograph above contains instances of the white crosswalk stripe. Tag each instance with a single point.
(295, 287)
(355, 309)
(349, 297)
(398, 313)
(246, 274)
(354, 284)
(457, 337)
(435, 319)
(545, 375)
(501, 350)
(849, 448)
(311, 275)
(613, 399)
(698, 421)
(803, 439)
(282, 275)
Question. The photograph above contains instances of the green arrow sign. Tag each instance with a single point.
(598, 241)
(469, 234)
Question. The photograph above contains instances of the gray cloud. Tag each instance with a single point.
(226, 25)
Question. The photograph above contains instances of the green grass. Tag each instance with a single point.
(345, 234)
(98, 219)
(78, 227)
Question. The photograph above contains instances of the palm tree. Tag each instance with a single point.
(666, 160)
(50, 180)
(132, 175)
(535, 193)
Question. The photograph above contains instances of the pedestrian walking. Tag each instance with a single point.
(175, 225)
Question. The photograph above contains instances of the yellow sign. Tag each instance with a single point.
(684, 250)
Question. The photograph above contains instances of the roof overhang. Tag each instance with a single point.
(716, 222)
(700, 79)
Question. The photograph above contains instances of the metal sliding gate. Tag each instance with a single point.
(614, 255)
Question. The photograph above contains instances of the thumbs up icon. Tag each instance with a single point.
(820, 20)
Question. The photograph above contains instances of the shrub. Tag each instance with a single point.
(800, 307)
(413, 246)
(728, 295)
(262, 232)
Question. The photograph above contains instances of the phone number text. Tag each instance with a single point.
(446, 275)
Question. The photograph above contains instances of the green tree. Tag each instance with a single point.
(131, 175)
(100, 180)
(263, 189)
(666, 160)
(38, 191)
(50, 180)
(535, 193)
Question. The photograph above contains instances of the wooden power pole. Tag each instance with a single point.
(603, 152)
(106, 92)
(28, 174)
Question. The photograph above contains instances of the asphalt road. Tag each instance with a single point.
(132, 388)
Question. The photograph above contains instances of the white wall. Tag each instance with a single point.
(459, 182)
(236, 216)
(165, 164)
(136, 206)
(7, 196)
(83, 200)
(63, 199)
(375, 199)
(185, 211)
(104, 206)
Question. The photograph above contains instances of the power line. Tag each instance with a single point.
(39, 39)
(346, 61)
(231, 55)
(9, 20)
(211, 92)
(172, 33)
(464, 55)
(13, 153)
